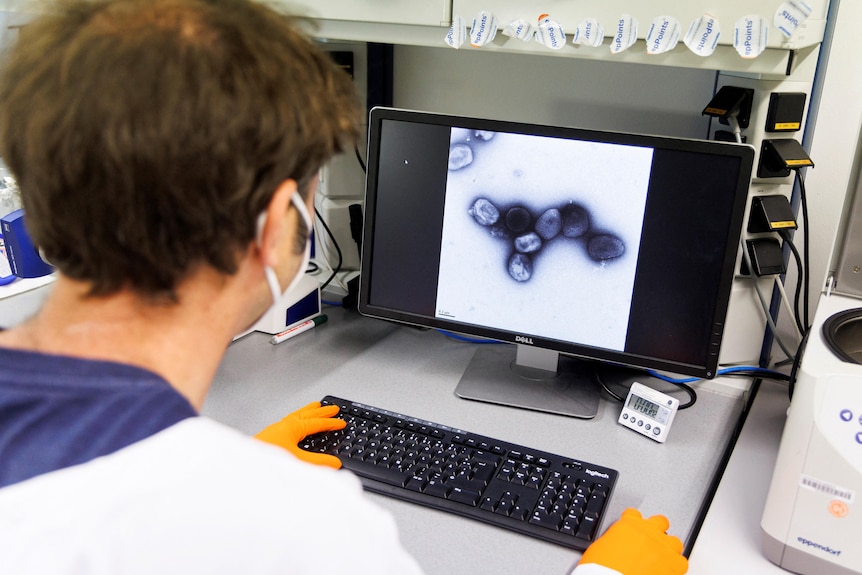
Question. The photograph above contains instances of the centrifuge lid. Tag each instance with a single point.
(842, 333)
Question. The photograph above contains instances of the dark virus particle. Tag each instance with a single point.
(576, 221)
(520, 267)
(528, 235)
(603, 247)
(518, 219)
(549, 224)
(528, 243)
(460, 156)
(484, 212)
(483, 135)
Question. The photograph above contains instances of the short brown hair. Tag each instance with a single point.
(146, 135)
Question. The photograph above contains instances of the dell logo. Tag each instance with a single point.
(522, 339)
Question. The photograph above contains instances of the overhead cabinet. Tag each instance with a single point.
(411, 12)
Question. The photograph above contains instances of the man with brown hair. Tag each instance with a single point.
(167, 153)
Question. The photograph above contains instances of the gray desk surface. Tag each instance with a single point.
(733, 521)
(415, 372)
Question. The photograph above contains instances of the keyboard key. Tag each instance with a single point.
(570, 526)
(594, 506)
(600, 489)
(483, 471)
(385, 475)
(467, 484)
(577, 506)
(545, 520)
(415, 483)
(436, 488)
(555, 519)
(587, 528)
(488, 503)
(504, 507)
(464, 495)
(520, 512)
(535, 481)
(486, 456)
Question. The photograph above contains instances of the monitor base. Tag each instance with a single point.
(494, 376)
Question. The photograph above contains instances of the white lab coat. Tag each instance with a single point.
(198, 497)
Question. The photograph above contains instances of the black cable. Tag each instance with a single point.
(761, 374)
(806, 235)
(797, 362)
(800, 280)
(337, 250)
(612, 393)
(359, 159)
(692, 394)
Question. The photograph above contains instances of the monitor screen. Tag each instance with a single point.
(607, 246)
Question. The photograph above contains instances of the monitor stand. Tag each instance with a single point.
(531, 378)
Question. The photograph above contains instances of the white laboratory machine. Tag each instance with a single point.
(812, 521)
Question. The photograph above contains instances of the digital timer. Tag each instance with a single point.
(649, 412)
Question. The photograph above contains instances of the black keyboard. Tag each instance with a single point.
(551, 497)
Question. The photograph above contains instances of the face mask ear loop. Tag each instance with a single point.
(271, 278)
(300, 206)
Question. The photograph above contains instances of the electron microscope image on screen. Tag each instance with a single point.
(541, 235)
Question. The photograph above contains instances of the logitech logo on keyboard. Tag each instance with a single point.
(594, 473)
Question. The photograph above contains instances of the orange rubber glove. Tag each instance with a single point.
(311, 419)
(637, 546)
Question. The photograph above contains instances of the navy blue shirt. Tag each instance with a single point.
(58, 411)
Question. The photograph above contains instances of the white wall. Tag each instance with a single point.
(835, 142)
(562, 91)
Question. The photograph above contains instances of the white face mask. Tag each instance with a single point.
(271, 278)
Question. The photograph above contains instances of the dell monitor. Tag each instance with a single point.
(565, 244)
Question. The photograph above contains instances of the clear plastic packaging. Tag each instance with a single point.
(10, 195)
